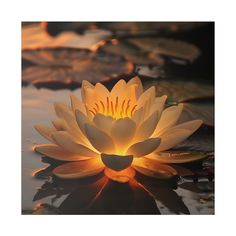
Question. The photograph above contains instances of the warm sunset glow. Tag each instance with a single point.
(119, 131)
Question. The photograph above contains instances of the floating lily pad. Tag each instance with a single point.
(200, 141)
(135, 27)
(168, 47)
(201, 108)
(180, 91)
(35, 36)
(179, 156)
(71, 66)
(129, 52)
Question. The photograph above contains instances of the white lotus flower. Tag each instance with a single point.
(118, 131)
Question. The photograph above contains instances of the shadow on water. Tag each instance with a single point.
(99, 195)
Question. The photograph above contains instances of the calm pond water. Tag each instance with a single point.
(43, 194)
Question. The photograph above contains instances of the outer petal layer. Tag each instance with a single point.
(58, 153)
(173, 137)
(168, 119)
(81, 169)
(63, 139)
(153, 168)
(45, 131)
(176, 157)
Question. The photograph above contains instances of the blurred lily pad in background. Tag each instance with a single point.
(176, 57)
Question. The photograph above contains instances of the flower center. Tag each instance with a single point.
(118, 108)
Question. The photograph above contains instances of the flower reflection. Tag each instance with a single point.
(119, 132)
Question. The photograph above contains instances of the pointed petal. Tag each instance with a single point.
(62, 110)
(192, 125)
(149, 94)
(58, 153)
(173, 137)
(168, 119)
(118, 88)
(147, 128)
(76, 104)
(116, 162)
(80, 169)
(153, 168)
(60, 124)
(122, 176)
(99, 139)
(64, 140)
(103, 122)
(85, 84)
(138, 116)
(136, 80)
(122, 132)
(81, 120)
(45, 131)
(159, 104)
(144, 148)
(176, 157)
(101, 89)
(65, 113)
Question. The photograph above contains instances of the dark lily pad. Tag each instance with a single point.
(180, 91)
(129, 52)
(167, 47)
(199, 108)
(71, 66)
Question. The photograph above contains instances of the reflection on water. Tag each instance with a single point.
(44, 194)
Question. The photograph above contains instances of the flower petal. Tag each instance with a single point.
(64, 112)
(122, 132)
(177, 156)
(138, 116)
(103, 122)
(63, 139)
(116, 162)
(45, 131)
(81, 120)
(136, 80)
(60, 124)
(80, 169)
(153, 168)
(168, 119)
(159, 104)
(58, 153)
(120, 176)
(85, 84)
(148, 126)
(144, 148)
(173, 137)
(76, 104)
(118, 88)
(192, 125)
(149, 94)
(99, 139)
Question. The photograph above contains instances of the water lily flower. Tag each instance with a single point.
(119, 132)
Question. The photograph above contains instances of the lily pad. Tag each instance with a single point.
(137, 27)
(179, 156)
(167, 47)
(181, 91)
(35, 36)
(201, 108)
(67, 66)
(129, 52)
